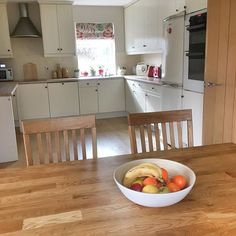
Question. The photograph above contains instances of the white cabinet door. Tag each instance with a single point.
(111, 95)
(143, 27)
(180, 5)
(63, 99)
(171, 98)
(50, 32)
(88, 100)
(5, 43)
(66, 29)
(139, 100)
(129, 29)
(193, 5)
(14, 106)
(8, 146)
(32, 101)
(129, 97)
(58, 30)
(194, 101)
(153, 102)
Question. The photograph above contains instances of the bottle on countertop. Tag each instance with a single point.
(65, 73)
(59, 71)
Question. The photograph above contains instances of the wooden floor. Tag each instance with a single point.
(112, 139)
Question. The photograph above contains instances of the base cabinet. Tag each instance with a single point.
(63, 99)
(111, 95)
(142, 97)
(8, 145)
(32, 101)
(194, 101)
(88, 100)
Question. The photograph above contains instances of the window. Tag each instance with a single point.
(95, 49)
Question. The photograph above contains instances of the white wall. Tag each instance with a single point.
(31, 50)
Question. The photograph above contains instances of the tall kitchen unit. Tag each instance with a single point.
(172, 63)
(194, 67)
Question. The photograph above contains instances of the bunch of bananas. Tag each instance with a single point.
(142, 170)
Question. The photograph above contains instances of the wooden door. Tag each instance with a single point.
(219, 109)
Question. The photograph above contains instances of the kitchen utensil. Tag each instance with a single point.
(142, 69)
(30, 71)
(65, 73)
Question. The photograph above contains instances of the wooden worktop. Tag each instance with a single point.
(81, 198)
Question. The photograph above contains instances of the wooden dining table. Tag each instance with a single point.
(81, 198)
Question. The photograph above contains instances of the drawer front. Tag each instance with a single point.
(88, 83)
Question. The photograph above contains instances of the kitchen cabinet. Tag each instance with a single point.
(8, 145)
(101, 96)
(193, 5)
(88, 97)
(171, 98)
(63, 99)
(58, 30)
(143, 28)
(32, 101)
(111, 95)
(5, 43)
(194, 101)
(142, 97)
(14, 106)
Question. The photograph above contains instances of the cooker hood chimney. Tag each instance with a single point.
(25, 27)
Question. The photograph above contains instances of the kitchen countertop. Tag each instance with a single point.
(7, 88)
(145, 79)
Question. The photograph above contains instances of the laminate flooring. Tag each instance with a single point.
(112, 140)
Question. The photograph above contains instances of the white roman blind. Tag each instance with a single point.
(94, 31)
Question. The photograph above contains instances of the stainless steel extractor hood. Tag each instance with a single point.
(25, 27)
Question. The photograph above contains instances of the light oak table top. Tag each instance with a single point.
(81, 198)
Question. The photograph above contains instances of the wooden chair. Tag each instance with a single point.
(166, 128)
(51, 133)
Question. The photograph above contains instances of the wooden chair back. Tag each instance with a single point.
(160, 130)
(58, 137)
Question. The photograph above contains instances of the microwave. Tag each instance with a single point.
(6, 74)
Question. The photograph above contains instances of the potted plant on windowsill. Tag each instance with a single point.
(92, 71)
(101, 70)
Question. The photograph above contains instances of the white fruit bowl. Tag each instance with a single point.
(155, 200)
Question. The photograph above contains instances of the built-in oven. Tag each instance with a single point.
(194, 58)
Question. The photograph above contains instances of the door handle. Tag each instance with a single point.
(211, 84)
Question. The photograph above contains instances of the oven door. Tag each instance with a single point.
(194, 56)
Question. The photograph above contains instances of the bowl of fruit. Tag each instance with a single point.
(154, 182)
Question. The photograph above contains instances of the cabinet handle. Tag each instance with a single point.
(9, 50)
(96, 90)
(176, 9)
(60, 49)
(152, 88)
(146, 95)
(87, 83)
(98, 83)
(14, 95)
(182, 96)
(62, 83)
(9, 99)
(46, 86)
(144, 45)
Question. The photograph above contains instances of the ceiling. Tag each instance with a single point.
(84, 2)
(104, 2)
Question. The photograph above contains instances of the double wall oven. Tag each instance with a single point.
(194, 58)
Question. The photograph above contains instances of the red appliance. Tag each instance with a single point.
(154, 71)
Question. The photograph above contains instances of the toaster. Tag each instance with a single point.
(141, 69)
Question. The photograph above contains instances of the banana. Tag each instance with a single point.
(144, 169)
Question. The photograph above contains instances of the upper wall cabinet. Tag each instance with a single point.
(5, 43)
(58, 30)
(143, 24)
(193, 5)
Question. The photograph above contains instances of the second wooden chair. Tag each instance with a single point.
(55, 136)
(166, 128)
